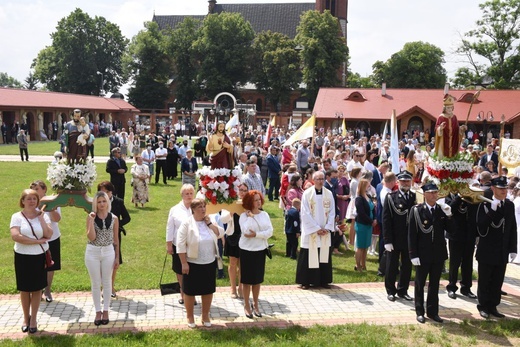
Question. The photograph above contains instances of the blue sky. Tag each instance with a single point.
(377, 28)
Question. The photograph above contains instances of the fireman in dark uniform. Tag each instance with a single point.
(427, 246)
(462, 247)
(396, 208)
(496, 227)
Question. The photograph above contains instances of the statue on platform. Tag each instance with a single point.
(448, 134)
(220, 149)
(73, 130)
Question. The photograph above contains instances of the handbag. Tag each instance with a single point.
(48, 257)
(268, 252)
(168, 288)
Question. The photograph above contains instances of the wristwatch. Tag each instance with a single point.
(208, 224)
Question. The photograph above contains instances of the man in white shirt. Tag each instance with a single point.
(148, 156)
(160, 159)
(355, 162)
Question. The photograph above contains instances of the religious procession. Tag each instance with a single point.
(430, 202)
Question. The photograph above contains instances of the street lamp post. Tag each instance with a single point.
(101, 90)
(484, 119)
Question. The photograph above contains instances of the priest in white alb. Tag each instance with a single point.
(317, 222)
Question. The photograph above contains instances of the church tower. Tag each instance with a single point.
(338, 8)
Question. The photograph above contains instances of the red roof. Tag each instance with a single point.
(371, 105)
(18, 98)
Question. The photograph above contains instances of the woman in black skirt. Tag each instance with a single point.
(232, 250)
(198, 251)
(30, 230)
(54, 243)
(256, 229)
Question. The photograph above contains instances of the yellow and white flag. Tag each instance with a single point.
(232, 122)
(304, 132)
(343, 128)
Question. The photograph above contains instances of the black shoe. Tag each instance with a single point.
(452, 294)
(105, 321)
(503, 293)
(248, 315)
(483, 314)
(421, 319)
(25, 328)
(181, 301)
(255, 312)
(391, 297)
(469, 294)
(497, 314)
(436, 318)
(406, 297)
(33, 330)
(325, 286)
(97, 322)
(195, 303)
(304, 286)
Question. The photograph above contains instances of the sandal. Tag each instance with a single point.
(234, 296)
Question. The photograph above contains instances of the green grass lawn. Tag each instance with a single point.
(466, 334)
(144, 246)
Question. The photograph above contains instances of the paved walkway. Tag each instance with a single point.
(282, 306)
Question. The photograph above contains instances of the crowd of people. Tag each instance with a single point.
(334, 190)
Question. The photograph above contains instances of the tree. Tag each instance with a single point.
(184, 64)
(147, 65)
(8, 81)
(275, 66)
(354, 80)
(496, 39)
(81, 47)
(223, 49)
(417, 65)
(31, 82)
(323, 51)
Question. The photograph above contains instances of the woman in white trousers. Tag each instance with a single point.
(101, 255)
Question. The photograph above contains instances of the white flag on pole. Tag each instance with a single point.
(394, 147)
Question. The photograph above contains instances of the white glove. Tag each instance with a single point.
(416, 261)
(389, 247)
(446, 209)
(494, 204)
(512, 256)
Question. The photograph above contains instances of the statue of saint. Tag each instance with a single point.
(448, 134)
(220, 149)
(73, 130)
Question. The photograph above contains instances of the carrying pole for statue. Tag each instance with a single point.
(475, 97)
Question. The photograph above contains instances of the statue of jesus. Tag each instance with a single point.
(220, 149)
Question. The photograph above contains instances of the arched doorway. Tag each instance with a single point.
(415, 124)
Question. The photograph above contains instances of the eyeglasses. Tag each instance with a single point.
(243, 190)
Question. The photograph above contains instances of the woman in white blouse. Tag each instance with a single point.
(256, 229)
(198, 251)
(30, 230)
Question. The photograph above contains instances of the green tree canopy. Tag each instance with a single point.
(180, 47)
(147, 65)
(81, 47)
(223, 49)
(417, 65)
(496, 40)
(8, 81)
(275, 66)
(323, 50)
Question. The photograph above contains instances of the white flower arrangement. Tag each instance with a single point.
(451, 173)
(219, 185)
(63, 175)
